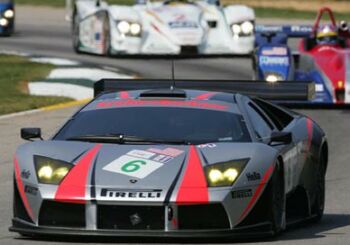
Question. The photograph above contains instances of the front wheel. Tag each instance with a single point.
(76, 33)
(320, 190)
(277, 200)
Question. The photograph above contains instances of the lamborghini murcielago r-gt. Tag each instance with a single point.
(171, 163)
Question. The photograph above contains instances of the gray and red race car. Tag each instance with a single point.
(170, 160)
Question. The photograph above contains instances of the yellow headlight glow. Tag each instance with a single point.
(231, 174)
(225, 173)
(45, 172)
(215, 175)
(60, 173)
(51, 171)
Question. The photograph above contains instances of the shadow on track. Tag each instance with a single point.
(300, 232)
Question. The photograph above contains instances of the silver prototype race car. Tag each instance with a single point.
(172, 161)
(171, 27)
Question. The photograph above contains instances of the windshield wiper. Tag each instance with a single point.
(125, 139)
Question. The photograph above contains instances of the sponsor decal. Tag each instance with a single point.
(173, 152)
(25, 174)
(134, 194)
(132, 166)
(301, 28)
(242, 193)
(209, 145)
(279, 51)
(139, 163)
(253, 176)
(132, 102)
(183, 24)
(266, 60)
(31, 190)
(140, 153)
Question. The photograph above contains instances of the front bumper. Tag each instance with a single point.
(255, 231)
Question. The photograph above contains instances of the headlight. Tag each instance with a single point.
(4, 22)
(51, 171)
(9, 14)
(224, 174)
(129, 28)
(124, 27)
(273, 78)
(245, 28)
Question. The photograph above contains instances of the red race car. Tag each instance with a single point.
(329, 45)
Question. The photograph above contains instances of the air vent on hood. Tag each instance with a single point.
(164, 93)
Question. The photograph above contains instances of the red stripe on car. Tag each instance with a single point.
(73, 187)
(20, 187)
(205, 96)
(193, 188)
(124, 95)
(257, 192)
(309, 125)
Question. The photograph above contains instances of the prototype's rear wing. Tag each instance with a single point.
(296, 31)
(279, 91)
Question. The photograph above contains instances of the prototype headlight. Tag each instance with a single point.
(273, 77)
(51, 171)
(9, 13)
(4, 22)
(245, 28)
(224, 174)
(129, 28)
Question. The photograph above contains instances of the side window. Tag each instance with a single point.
(261, 125)
(279, 117)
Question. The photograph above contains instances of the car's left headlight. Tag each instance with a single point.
(273, 77)
(224, 174)
(9, 14)
(129, 28)
(51, 171)
(245, 28)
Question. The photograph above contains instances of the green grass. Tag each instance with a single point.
(61, 3)
(15, 72)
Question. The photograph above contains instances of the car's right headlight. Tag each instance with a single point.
(245, 28)
(9, 14)
(273, 77)
(129, 28)
(51, 171)
(225, 173)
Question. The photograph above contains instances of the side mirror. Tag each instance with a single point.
(281, 138)
(31, 133)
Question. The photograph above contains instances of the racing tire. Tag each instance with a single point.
(320, 191)
(75, 33)
(277, 205)
(107, 38)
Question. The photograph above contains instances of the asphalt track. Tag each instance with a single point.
(43, 32)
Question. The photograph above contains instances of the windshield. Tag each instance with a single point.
(158, 123)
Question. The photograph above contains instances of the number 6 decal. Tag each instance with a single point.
(133, 166)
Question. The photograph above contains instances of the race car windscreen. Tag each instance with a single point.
(187, 125)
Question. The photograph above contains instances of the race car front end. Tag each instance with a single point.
(7, 16)
(149, 190)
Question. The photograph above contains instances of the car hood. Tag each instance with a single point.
(153, 171)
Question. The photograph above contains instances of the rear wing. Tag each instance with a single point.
(279, 91)
(296, 31)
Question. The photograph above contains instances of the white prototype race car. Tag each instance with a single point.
(171, 27)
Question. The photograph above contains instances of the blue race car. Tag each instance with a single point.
(7, 17)
(274, 61)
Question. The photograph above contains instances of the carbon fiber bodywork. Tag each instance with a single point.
(171, 197)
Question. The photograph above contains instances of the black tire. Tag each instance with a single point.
(107, 37)
(320, 190)
(277, 200)
(75, 32)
